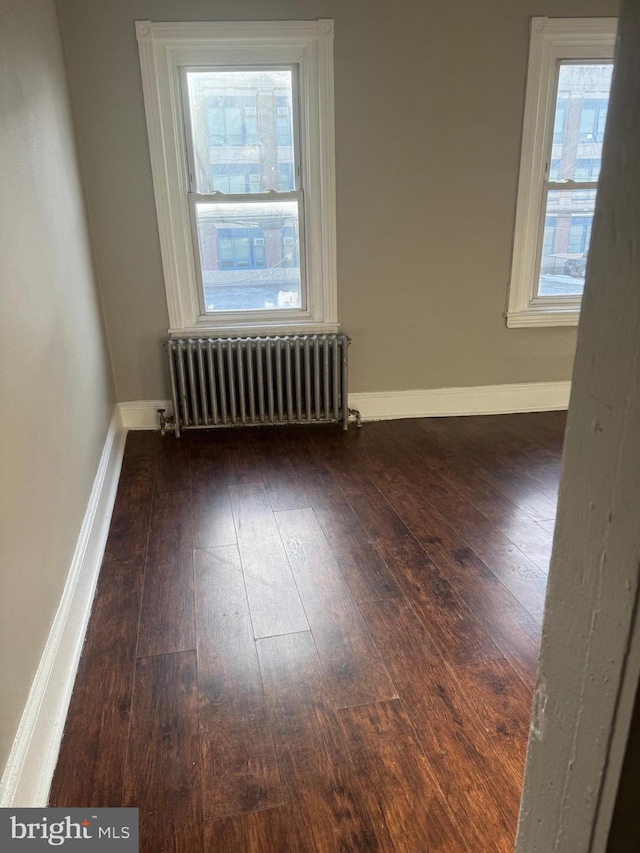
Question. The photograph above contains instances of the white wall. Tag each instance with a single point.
(55, 375)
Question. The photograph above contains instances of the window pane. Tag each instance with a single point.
(250, 255)
(567, 232)
(242, 125)
(558, 125)
(581, 111)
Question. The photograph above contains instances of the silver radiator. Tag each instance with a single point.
(292, 379)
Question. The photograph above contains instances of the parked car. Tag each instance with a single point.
(576, 267)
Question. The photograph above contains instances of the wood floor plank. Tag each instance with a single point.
(242, 455)
(93, 749)
(464, 473)
(283, 480)
(479, 513)
(513, 629)
(516, 572)
(527, 469)
(455, 629)
(212, 517)
(534, 494)
(162, 776)
(531, 537)
(354, 672)
(139, 458)
(129, 527)
(207, 458)
(500, 701)
(167, 617)
(513, 524)
(227, 660)
(258, 832)
(482, 792)
(324, 810)
(273, 596)
(365, 572)
(549, 526)
(138, 446)
(340, 454)
(398, 786)
(211, 508)
(239, 767)
(537, 433)
(171, 523)
(495, 457)
(172, 471)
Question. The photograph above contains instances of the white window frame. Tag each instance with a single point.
(552, 40)
(166, 48)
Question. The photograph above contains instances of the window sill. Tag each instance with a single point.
(568, 315)
(254, 329)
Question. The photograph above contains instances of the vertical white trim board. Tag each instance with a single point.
(29, 770)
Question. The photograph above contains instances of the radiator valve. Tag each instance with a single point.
(165, 422)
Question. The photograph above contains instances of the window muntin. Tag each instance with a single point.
(570, 63)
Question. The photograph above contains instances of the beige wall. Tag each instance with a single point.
(429, 103)
(54, 370)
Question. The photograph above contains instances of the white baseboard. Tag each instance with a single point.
(429, 403)
(27, 776)
(477, 400)
(143, 414)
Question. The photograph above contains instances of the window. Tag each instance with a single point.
(593, 115)
(235, 178)
(569, 77)
(558, 125)
(240, 122)
(231, 119)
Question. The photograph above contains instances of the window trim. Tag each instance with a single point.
(165, 48)
(552, 40)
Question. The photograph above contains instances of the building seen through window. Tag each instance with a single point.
(573, 171)
(242, 135)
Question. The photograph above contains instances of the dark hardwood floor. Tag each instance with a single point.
(305, 640)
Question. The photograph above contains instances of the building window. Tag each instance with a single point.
(283, 120)
(235, 177)
(231, 119)
(593, 116)
(569, 77)
(240, 248)
(240, 121)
